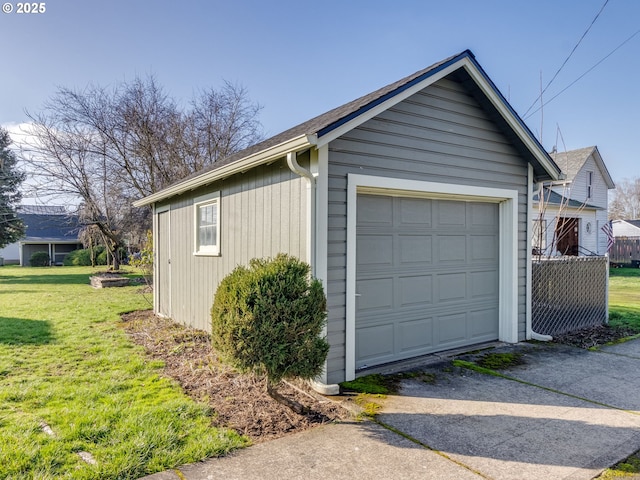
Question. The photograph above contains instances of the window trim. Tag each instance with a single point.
(205, 201)
(589, 184)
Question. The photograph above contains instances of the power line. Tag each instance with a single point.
(567, 59)
(580, 77)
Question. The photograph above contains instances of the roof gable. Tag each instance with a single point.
(330, 125)
(572, 161)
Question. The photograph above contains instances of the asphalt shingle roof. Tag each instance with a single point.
(572, 161)
(50, 227)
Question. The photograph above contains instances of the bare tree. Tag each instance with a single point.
(108, 147)
(223, 122)
(625, 204)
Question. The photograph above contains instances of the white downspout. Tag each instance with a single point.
(530, 334)
(319, 384)
(294, 166)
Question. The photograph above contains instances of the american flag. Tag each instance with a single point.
(608, 231)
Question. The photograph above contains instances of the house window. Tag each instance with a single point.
(207, 224)
(589, 184)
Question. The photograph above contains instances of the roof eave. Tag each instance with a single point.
(296, 144)
(467, 61)
(603, 168)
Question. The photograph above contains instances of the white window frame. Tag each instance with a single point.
(589, 185)
(211, 199)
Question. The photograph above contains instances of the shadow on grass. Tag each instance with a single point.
(22, 331)
(43, 279)
(624, 272)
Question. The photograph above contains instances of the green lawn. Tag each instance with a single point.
(624, 297)
(65, 363)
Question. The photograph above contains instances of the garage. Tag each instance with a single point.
(427, 276)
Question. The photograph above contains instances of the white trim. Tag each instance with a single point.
(531, 219)
(508, 250)
(205, 201)
(156, 290)
(320, 160)
(296, 144)
(530, 229)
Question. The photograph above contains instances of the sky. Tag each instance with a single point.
(299, 59)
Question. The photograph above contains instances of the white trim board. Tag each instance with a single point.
(508, 250)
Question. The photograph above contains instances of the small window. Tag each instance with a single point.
(207, 224)
(589, 184)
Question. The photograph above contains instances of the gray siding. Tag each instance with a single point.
(262, 213)
(439, 135)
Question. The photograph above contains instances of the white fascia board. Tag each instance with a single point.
(603, 169)
(509, 117)
(378, 109)
(265, 156)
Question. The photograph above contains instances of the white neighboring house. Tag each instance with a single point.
(570, 218)
(626, 228)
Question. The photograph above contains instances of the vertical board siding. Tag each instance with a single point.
(440, 134)
(262, 213)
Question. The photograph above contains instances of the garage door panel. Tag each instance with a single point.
(483, 214)
(373, 345)
(452, 213)
(484, 248)
(415, 212)
(376, 210)
(482, 324)
(451, 287)
(415, 290)
(484, 284)
(415, 249)
(375, 250)
(426, 275)
(452, 329)
(415, 335)
(452, 249)
(375, 294)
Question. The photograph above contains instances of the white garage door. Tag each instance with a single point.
(427, 276)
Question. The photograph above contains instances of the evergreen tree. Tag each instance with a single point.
(11, 227)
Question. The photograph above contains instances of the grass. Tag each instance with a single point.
(624, 297)
(629, 467)
(66, 364)
(498, 361)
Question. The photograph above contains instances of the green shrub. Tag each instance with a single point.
(101, 257)
(39, 259)
(267, 318)
(82, 258)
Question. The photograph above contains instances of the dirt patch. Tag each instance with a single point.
(239, 401)
(594, 336)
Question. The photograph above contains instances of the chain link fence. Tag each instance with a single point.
(569, 293)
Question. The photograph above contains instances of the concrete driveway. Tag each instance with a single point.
(564, 413)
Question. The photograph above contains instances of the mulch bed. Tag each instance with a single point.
(594, 336)
(239, 401)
